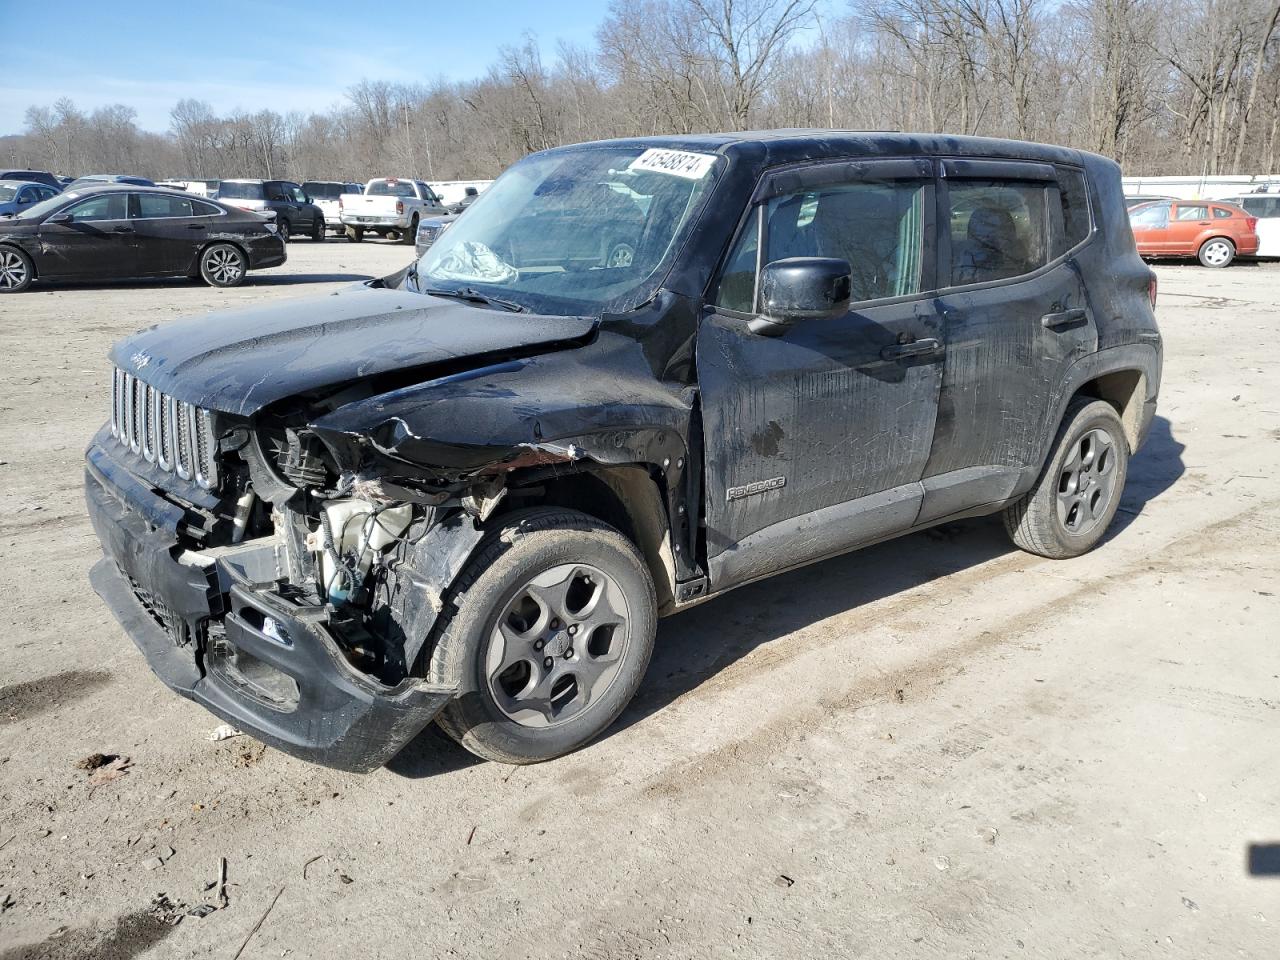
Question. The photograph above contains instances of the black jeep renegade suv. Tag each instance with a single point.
(635, 375)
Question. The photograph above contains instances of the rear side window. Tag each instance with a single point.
(1191, 212)
(875, 225)
(1076, 224)
(1261, 206)
(154, 206)
(998, 229)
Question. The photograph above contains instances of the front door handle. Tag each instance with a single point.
(123, 230)
(916, 348)
(1067, 318)
(195, 226)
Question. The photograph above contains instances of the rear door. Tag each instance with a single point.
(817, 439)
(168, 234)
(1188, 223)
(1016, 316)
(97, 243)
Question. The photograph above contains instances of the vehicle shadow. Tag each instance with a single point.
(288, 279)
(695, 646)
(254, 279)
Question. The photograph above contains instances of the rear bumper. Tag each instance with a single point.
(374, 222)
(268, 251)
(204, 632)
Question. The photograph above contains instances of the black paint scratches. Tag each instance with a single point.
(18, 701)
(132, 935)
(765, 442)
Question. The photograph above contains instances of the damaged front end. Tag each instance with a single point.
(290, 598)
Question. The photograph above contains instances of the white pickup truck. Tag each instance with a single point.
(388, 205)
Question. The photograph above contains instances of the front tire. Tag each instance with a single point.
(16, 270)
(223, 265)
(547, 635)
(282, 228)
(1069, 509)
(317, 231)
(1217, 252)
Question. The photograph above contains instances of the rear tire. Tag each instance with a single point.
(546, 636)
(355, 234)
(1217, 252)
(1075, 499)
(16, 270)
(223, 265)
(282, 228)
(410, 235)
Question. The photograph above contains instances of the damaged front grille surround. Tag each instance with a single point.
(174, 435)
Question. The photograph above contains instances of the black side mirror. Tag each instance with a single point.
(61, 218)
(801, 288)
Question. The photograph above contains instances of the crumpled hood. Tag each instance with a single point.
(239, 361)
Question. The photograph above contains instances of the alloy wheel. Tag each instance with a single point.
(1087, 482)
(621, 255)
(13, 270)
(558, 645)
(223, 265)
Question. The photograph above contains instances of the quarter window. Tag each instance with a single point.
(1075, 208)
(998, 229)
(1221, 213)
(202, 209)
(874, 225)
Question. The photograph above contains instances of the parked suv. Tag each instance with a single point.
(466, 491)
(294, 211)
(33, 176)
(1266, 208)
(1213, 232)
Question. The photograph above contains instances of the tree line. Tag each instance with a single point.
(1163, 86)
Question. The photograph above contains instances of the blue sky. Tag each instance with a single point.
(239, 53)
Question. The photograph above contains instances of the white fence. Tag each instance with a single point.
(1196, 188)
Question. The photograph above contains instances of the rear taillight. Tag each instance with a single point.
(399, 207)
(1151, 290)
(1251, 224)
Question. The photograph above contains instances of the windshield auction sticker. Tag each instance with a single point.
(678, 163)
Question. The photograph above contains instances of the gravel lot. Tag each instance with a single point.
(937, 747)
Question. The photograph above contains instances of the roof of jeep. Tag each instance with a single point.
(793, 145)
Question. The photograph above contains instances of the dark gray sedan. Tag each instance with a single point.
(121, 232)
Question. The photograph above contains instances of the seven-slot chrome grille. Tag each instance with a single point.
(175, 436)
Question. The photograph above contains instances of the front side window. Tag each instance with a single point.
(297, 194)
(874, 225)
(574, 232)
(998, 229)
(107, 206)
(1150, 217)
(154, 206)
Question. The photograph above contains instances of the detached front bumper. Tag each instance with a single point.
(252, 657)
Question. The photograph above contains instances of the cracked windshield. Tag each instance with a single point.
(573, 233)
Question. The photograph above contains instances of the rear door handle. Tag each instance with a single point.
(123, 230)
(1056, 321)
(916, 348)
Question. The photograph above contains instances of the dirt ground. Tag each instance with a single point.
(938, 747)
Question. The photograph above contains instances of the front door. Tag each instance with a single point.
(1016, 316)
(1150, 225)
(95, 243)
(816, 440)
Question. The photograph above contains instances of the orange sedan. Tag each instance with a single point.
(1215, 233)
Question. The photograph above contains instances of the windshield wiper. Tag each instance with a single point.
(472, 295)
